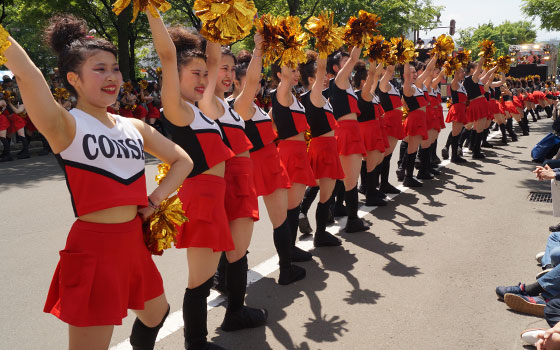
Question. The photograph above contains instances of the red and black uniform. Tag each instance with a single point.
(392, 103)
(104, 269)
(494, 102)
(348, 134)
(203, 195)
(415, 122)
(370, 128)
(291, 121)
(380, 117)
(433, 116)
(16, 123)
(4, 121)
(509, 105)
(458, 110)
(439, 101)
(241, 199)
(140, 112)
(153, 111)
(478, 107)
(323, 151)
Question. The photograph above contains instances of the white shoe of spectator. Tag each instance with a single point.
(542, 273)
(529, 336)
(539, 257)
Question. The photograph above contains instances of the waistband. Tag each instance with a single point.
(205, 178)
(122, 227)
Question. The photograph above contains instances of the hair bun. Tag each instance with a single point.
(184, 40)
(360, 66)
(244, 57)
(63, 30)
(311, 56)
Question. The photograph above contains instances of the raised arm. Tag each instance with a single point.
(366, 90)
(176, 110)
(342, 79)
(49, 117)
(244, 101)
(478, 70)
(488, 76)
(384, 82)
(455, 81)
(499, 83)
(407, 81)
(209, 104)
(317, 89)
(435, 82)
(17, 110)
(426, 73)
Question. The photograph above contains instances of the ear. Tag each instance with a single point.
(72, 78)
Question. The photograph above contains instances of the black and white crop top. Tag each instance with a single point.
(233, 127)
(391, 99)
(344, 102)
(320, 120)
(104, 167)
(202, 140)
(473, 89)
(259, 128)
(289, 121)
(417, 100)
(367, 108)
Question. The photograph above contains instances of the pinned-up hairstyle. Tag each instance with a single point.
(187, 45)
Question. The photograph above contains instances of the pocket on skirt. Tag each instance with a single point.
(77, 274)
(241, 183)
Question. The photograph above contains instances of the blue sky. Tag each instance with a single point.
(471, 13)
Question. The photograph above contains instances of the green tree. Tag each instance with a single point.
(548, 11)
(504, 35)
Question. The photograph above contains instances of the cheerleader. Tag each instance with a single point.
(351, 146)
(391, 102)
(269, 173)
(497, 112)
(365, 81)
(207, 233)
(241, 201)
(17, 127)
(323, 152)
(415, 123)
(105, 267)
(510, 111)
(457, 115)
(4, 126)
(154, 103)
(288, 115)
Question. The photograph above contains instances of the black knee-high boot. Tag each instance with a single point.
(308, 198)
(548, 110)
(363, 178)
(220, 275)
(373, 196)
(485, 142)
(283, 243)
(24, 153)
(298, 254)
(195, 317)
(471, 140)
(384, 185)
(533, 115)
(144, 337)
(509, 128)
(354, 223)
(445, 150)
(477, 153)
(434, 159)
(322, 237)
(455, 157)
(424, 172)
(403, 149)
(5, 156)
(503, 131)
(463, 136)
(338, 199)
(238, 316)
(409, 180)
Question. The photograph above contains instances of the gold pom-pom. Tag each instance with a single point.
(404, 113)
(489, 64)
(452, 66)
(61, 94)
(360, 29)
(161, 229)
(402, 51)
(225, 21)
(443, 47)
(284, 40)
(504, 63)
(163, 168)
(328, 36)
(308, 137)
(127, 86)
(378, 49)
(140, 6)
(4, 44)
(9, 96)
(464, 57)
(143, 84)
(159, 70)
(487, 49)
(441, 61)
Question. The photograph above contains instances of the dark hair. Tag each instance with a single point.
(419, 66)
(309, 68)
(187, 44)
(360, 73)
(226, 51)
(274, 70)
(334, 60)
(243, 58)
(68, 36)
(470, 66)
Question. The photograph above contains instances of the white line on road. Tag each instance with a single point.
(175, 320)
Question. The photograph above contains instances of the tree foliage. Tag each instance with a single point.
(548, 11)
(506, 34)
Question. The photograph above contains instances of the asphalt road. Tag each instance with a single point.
(423, 277)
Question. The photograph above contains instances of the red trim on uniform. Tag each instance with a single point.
(415, 124)
(353, 104)
(372, 136)
(241, 199)
(215, 150)
(294, 156)
(203, 199)
(396, 101)
(237, 139)
(394, 124)
(266, 131)
(269, 172)
(384, 132)
(349, 138)
(104, 270)
(457, 113)
(331, 120)
(324, 159)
